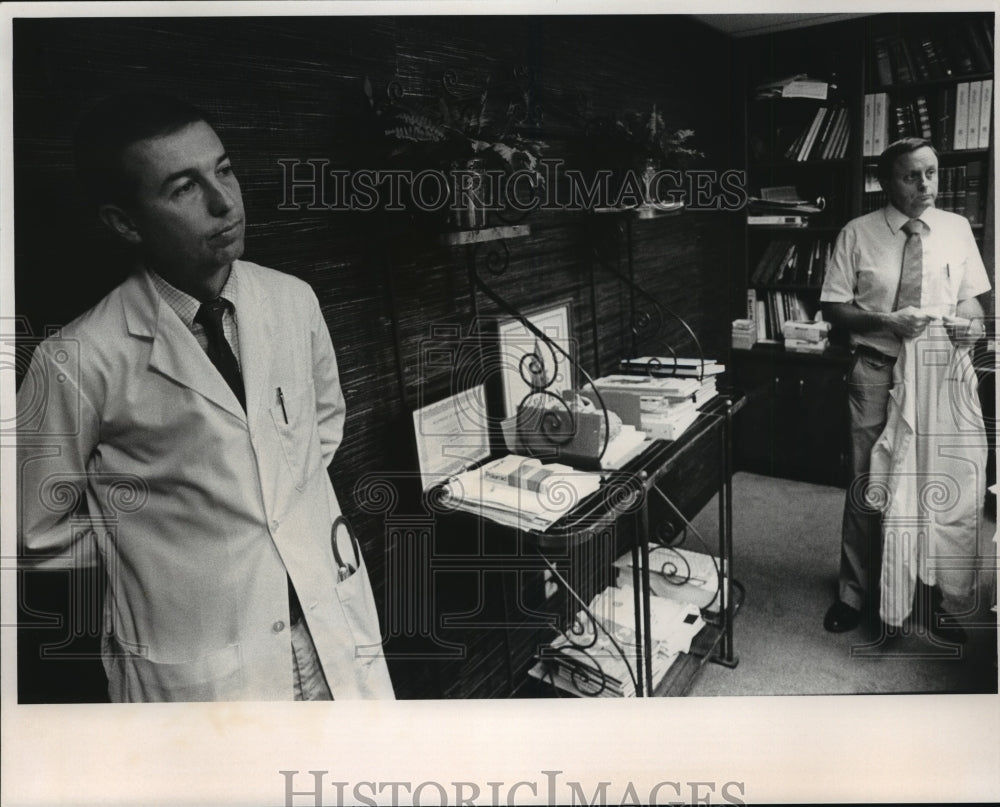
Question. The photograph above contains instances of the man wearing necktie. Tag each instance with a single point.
(195, 438)
(894, 272)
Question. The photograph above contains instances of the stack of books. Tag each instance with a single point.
(666, 366)
(584, 661)
(667, 406)
(806, 337)
(663, 421)
(744, 334)
(519, 491)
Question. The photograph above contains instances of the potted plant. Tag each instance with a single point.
(638, 144)
(464, 136)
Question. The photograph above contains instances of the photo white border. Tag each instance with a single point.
(803, 749)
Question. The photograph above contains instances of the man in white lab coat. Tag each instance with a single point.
(868, 292)
(191, 416)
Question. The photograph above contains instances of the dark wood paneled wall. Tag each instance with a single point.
(291, 88)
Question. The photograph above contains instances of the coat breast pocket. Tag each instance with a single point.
(293, 412)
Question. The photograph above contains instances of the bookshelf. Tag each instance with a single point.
(934, 75)
(917, 65)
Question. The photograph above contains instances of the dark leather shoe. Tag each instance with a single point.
(954, 634)
(841, 618)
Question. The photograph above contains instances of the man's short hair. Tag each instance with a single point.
(887, 160)
(114, 124)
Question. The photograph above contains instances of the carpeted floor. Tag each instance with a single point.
(787, 549)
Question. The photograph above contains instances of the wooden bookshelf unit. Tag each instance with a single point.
(795, 421)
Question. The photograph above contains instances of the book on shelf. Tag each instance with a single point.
(982, 57)
(946, 190)
(868, 118)
(873, 201)
(960, 140)
(958, 185)
(974, 196)
(901, 62)
(927, 45)
(959, 51)
(944, 119)
(882, 63)
(922, 115)
(972, 124)
(880, 124)
(814, 127)
(985, 113)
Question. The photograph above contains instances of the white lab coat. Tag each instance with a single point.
(199, 510)
(928, 476)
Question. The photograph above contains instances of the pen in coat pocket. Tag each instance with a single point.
(281, 400)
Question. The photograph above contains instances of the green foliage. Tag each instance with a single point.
(447, 128)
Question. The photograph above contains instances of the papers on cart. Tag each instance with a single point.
(520, 492)
(681, 575)
(585, 661)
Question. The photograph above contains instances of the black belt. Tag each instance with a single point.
(872, 353)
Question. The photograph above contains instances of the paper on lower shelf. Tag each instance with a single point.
(682, 575)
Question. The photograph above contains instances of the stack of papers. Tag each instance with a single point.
(520, 492)
(669, 366)
(681, 575)
(797, 86)
(806, 337)
(585, 662)
(624, 446)
(667, 406)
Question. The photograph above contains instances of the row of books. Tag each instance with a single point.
(825, 138)
(797, 262)
(957, 118)
(960, 190)
(584, 661)
(957, 50)
(770, 310)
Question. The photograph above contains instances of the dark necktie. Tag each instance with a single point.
(911, 275)
(209, 316)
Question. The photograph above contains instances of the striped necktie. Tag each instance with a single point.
(912, 273)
